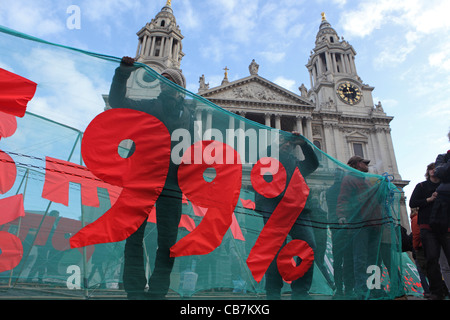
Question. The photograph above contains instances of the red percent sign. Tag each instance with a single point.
(280, 223)
(142, 177)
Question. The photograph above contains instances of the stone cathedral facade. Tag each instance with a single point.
(337, 113)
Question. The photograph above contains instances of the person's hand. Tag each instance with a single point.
(433, 197)
(127, 61)
(298, 141)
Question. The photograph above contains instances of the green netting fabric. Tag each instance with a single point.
(254, 192)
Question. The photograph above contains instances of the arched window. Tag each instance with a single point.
(163, 23)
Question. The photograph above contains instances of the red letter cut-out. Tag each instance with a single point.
(15, 92)
(142, 175)
(60, 173)
(220, 196)
(11, 251)
(289, 271)
(280, 222)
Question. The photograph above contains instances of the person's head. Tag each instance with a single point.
(285, 144)
(170, 93)
(429, 174)
(430, 170)
(174, 75)
(359, 163)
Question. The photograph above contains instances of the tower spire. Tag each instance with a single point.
(160, 41)
(332, 59)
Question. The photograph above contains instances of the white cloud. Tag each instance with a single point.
(110, 10)
(239, 21)
(393, 54)
(39, 18)
(441, 57)
(65, 92)
(273, 57)
(403, 27)
(417, 16)
(285, 83)
(213, 49)
(363, 21)
(188, 17)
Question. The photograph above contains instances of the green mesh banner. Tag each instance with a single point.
(158, 192)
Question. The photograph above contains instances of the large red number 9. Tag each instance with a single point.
(220, 195)
(142, 175)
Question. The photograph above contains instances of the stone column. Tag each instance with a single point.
(208, 120)
(308, 133)
(198, 128)
(152, 49)
(146, 47)
(319, 66)
(333, 55)
(328, 61)
(352, 62)
(340, 143)
(392, 166)
(347, 60)
(329, 141)
(241, 138)
(171, 47)
(344, 63)
(139, 48)
(267, 119)
(278, 121)
(300, 125)
(311, 78)
(314, 74)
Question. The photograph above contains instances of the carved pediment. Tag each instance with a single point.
(355, 136)
(255, 89)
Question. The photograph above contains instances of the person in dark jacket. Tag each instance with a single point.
(437, 237)
(301, 229)
(169, 107)
(418, 253)
(359, 204)
(342, 244)
(424, 197)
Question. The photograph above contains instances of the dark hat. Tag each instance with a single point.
(176, 75)
(355, 159)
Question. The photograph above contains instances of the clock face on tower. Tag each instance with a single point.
(349, 93)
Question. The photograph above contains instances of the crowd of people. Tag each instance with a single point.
(430, 225)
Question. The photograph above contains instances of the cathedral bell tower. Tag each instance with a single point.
(333, 74)
(159, 43)
(345, 121)
(159, 47)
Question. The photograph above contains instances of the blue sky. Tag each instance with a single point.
(403, 50)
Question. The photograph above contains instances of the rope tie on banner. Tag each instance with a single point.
(393, 189)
